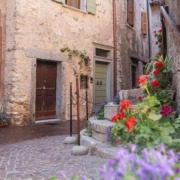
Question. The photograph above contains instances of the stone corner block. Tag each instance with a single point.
(110, 110)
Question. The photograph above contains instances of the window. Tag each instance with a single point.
(130, 12)
(144, 23)
(88, 6)
(102, 52)
(73, 3)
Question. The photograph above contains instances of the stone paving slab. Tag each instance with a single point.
(39, 159)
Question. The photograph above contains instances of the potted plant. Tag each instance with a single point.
(4, 120)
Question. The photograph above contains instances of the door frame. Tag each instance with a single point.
(109, 78)
(109, 61)
(59, 92)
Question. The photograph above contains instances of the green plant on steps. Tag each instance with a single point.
(101, 115)
(151, 121)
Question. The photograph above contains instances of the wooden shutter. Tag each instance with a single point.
(144, 23)
(73, 3)
(130, 12)
(91, 6)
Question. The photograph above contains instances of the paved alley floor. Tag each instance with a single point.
(41, 158)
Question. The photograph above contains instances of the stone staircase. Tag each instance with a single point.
(99, 140)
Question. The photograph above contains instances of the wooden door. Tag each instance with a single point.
(46, 75)
(100, 84)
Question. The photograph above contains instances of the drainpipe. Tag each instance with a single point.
(149, 30)
(115, 48)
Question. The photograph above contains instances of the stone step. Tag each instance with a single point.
(98, 148)
(101, 130)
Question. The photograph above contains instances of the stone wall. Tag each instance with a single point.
(131, 42)
(2, 46)
(39, 29)
(174, 46)
(156, 25)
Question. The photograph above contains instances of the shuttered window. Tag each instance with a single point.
(84, 5)
(130, 12)
(144, 23)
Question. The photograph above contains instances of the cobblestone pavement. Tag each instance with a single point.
(12, 134)
(39, 159)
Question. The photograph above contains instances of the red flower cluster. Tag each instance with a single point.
(118, 117)
(156, 72)
(130, 123)
(143, 80)
(159, 65)
(124, 105)
(155, 83)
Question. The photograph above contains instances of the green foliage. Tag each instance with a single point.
(4, 119)
(53, 178)
(101, 115)
(155, 120)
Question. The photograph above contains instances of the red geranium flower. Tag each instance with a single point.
(155, 83)
(130, 123)
(159, 65)
(166, 110)
(118, 117)
(139, 98)
(125, 104)
(156, 72)
(143, 80)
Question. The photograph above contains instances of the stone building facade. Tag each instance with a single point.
(171, 20)
(2, 45)
(155, 25)
(132, 42)
(34, 68)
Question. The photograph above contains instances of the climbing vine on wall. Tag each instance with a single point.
(79, 60)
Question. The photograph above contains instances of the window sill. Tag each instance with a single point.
(74, 9)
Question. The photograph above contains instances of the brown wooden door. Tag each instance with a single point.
(46, 74)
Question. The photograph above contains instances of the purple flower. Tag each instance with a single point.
(149, 164)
